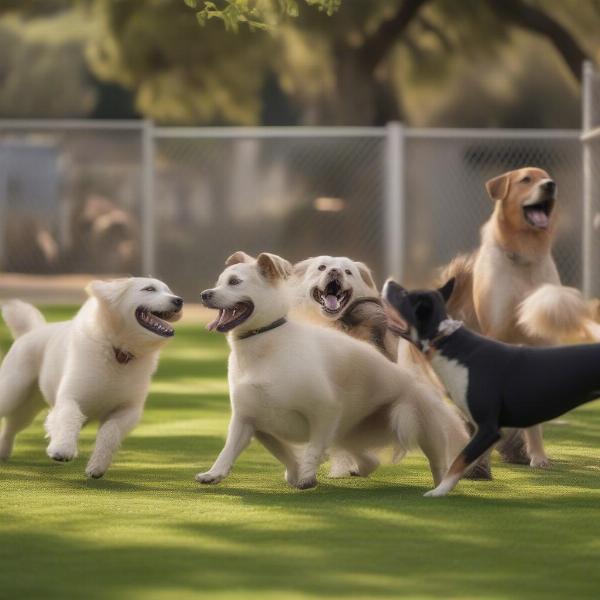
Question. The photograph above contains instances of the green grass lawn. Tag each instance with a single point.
(148, 530)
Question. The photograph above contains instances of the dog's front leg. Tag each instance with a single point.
(238, 437)
(481, 442)
(322, 429)
(63, 425)
(535, 446)
(109, 437)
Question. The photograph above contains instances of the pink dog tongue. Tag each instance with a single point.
(213, 324)
(539, 218)
(331, 302)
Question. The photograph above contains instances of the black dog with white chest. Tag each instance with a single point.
(495, 384)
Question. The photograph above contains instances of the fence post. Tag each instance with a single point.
(393, 213)
(3, 202)
(588, 200)
(148, 201)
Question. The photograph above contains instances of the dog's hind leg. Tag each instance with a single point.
(512, 447)
(283, 453)
(482, 441)
(16, 421)
(535, 446)
(18, 376)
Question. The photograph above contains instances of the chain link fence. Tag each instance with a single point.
(70, 197)
(446, 201)
(128, 198)
(590, 139)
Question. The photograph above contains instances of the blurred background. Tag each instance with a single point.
(157, 137)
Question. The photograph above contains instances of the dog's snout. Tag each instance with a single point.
(206, 296)
(549, 186)
(177, 302)
(334, 272)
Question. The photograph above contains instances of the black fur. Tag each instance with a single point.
(508, 386)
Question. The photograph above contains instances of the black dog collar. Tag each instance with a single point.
(272, 325)
(122, 356)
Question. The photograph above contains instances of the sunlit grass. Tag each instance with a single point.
(147, 530)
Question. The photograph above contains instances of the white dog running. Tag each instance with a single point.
(96, 367)
(298, 385)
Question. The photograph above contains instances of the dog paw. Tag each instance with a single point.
(307, 483)
(435, 493)
(339, 474)
(291, 478)
(95, 472)
(61, 453)
(540, 462)
(209, 478)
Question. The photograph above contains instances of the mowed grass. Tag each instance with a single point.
(148, 530)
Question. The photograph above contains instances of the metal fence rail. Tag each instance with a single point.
(590, 139)
(128, 197)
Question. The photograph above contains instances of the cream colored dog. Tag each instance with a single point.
(303, 390)
(96, 367)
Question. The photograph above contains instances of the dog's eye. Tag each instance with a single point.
(526, 179)
(234, 281)
(322, 267)
(348, 272)
(150, 288)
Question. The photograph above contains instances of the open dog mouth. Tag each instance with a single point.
(538, 214)
(156, 321)
(332, 299)
(231, 317)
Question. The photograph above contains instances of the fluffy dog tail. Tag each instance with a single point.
(427, 421)
(558, 315)
(21, 317)
(460, 305)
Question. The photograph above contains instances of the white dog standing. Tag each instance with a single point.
(96, 367)
(295, 384)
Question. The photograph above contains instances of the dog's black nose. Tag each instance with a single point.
(334, 272)
(206, 295)
(177, 302)
(549, 186)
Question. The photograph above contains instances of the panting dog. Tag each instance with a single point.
(304, 390)
(341, 293)
(513, 260)
(96, 367)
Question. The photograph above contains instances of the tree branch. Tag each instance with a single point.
(378, 44)
(533, 19)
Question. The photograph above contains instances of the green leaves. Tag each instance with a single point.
(255, 14)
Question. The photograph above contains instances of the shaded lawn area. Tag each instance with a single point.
(147, 530)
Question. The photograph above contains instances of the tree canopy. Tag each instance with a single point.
(467, 62)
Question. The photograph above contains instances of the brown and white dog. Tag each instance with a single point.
(341, 293)
(513, 260)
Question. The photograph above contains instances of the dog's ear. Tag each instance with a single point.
(107, 291)
(300, 268)
(497, 188)
(273, 267)
(239, 257)
(366, 274)
(447, 289)
(423, 308)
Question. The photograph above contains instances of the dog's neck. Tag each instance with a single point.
(524, 248)
(106, 330)
(253, 332)
(445, 329)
